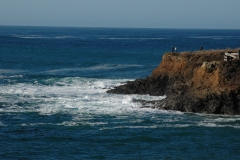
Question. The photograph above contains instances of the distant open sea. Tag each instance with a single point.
(54, 105)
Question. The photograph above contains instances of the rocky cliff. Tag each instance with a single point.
(193, 82)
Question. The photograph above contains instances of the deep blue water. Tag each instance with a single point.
(54, 105)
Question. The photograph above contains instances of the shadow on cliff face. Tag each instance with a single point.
(198, 82)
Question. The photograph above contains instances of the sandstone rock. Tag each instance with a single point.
(198, 82)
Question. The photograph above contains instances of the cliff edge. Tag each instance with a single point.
(200, 82)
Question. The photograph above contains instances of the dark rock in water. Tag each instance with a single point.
(199, 82)
(153, 86)
(225, 103)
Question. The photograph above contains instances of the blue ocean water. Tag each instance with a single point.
(54, 105)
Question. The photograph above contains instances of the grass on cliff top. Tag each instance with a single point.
(205, 55)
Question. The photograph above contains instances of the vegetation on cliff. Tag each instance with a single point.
(193, 82)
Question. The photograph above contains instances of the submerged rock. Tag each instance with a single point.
(198, 82)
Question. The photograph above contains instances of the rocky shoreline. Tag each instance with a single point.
(199, 82)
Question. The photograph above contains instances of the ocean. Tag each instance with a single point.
(54, 105)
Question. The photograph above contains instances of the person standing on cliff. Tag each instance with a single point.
(172, 49)
(175, 49)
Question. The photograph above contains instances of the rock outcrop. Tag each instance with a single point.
(198, 82)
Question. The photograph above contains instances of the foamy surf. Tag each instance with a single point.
(86, 98)
(54, 95)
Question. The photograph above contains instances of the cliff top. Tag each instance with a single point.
(185, 59)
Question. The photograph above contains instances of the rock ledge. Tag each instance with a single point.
(199, 82)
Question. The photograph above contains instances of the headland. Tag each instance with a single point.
(199, 82)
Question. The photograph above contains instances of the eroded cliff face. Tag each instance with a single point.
(193, 82)
(199, 70)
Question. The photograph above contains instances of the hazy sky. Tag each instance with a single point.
(122, 13)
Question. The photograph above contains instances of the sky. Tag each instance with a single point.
(203, 14)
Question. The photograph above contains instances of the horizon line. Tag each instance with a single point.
(118, 27)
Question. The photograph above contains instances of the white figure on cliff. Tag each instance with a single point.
(175, 49)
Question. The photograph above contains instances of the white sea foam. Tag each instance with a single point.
(82, 95)
(153, 125)
(216, 125)
(112, 66)
(43, 37)
(218, 121)
(1, 124)
(64, 37)
(28, 36)
(10, 71)
(227, 119)
(115, 38)
(214, 37)
(204, 37)
(93, 68)
(207, 124)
